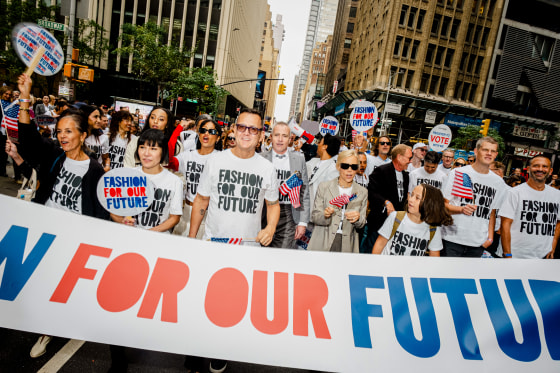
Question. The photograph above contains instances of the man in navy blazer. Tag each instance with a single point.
(387, 192)
(293, 221)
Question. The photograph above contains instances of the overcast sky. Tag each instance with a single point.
(294, 17)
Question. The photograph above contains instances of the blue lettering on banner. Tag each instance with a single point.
(17, 271)
(546, 294)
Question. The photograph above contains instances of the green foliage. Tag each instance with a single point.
(91, 42)
(470, 134)
(190, 84)
(154, 61)
(11, 13)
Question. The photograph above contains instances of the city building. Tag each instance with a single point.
(315, 86)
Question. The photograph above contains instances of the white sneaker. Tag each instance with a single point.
(40, 347)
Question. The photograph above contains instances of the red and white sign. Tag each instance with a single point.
(72, 276)
(125, 191)
(364, 116)
(526, 152)
(439, 138)
(328, 125)
(29, 39)
(335, 86)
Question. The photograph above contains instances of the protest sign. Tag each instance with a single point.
(38, 49)
(363, 116)
(439, 138)
(125, 191)
(329, 125)
(310, 310)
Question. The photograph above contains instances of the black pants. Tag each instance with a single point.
(453, 249)
(3, 155)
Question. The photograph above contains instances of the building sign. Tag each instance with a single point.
(430, 117)
(50, 24)
(526, 152)
(339, 109)
(335, 86)
(530, 132)
(393, 108)
(453, 120)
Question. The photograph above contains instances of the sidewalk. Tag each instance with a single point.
(8, 185)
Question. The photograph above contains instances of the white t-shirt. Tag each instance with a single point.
(237, 189)
(488, 190)
(191, 164)
(188, 138)
(443, 169)
(410, 238)
(534, 214)
(420, 176)
(282, 165)
(98, 146)
(168, 199)
(400, 184)
(411, 168)
(67, 190)
(116, 151)
(363, 180)
(375, 161)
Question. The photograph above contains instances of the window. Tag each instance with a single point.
(424, 82)
(397, 49)
(478, 66)
(454, 29)
(470, 32)
(404, 11)
(443, 86)
(414, 50)
(420, 21)
(347, 43)
(485, 35)
(430, 53)
(470, 64)
(409, 77)
(434, 84)
(412, 17)
(406, 47)
(477, 35)
(449, 58)
(350, 28)
(472, 92)
(445, 26)
(435, 24)
(463, 61)
(439, 56)
(353, 11)
(542, 47)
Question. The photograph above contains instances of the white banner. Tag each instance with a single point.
(530, 132)
(78, 277)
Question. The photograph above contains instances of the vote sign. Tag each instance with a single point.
(29, 40)
(125, 192)
(364, 116)
(439, 138)
(329, 125)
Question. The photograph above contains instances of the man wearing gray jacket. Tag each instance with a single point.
(293, 221)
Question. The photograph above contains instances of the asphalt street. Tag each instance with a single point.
(69, 356)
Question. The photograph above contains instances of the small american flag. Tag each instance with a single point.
(342, 200)
(10, 118)
(291, 187)
(462, 186)
(229, 240)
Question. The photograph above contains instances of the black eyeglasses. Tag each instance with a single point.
(252, 130)
(459, 164)
(345, 166)
(211, 131)
(231, 138)
(384, 143)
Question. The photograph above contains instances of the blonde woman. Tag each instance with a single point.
(335, 227)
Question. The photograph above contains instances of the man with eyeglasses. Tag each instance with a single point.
(293, 221)
(233, 187)
(381, 151)
(419, 152)
(387, 189)
(473, 218)
(446, 164)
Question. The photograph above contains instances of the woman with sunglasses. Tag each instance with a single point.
(191, 164)
(459, 162)
(229, 140)
(335, 227)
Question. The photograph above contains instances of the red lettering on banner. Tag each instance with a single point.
(226, 297)
(439, 139)
(76, 270)
(168, 279)
(259, 301)
(136, 191)
(113, 192)
(123, 282)
(310, 296)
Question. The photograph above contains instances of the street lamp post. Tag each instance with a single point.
(384, 119)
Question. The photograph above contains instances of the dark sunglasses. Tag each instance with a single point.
(211, 131)
(459, 164)
(252, 130)
(384, 143)
(345, 166)
(231, 138)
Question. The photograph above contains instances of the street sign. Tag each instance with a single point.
(51, 25)
(393, 108)
(430, 117)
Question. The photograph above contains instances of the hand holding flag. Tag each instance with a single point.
(462, 186)
(10, 118)
(291, 187)
(342, 200)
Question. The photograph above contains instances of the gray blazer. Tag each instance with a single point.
(325, 229)
(297, 163)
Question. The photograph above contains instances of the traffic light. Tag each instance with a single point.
(484, 126)
(206, 87)
(68, 70)
(282, 89)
